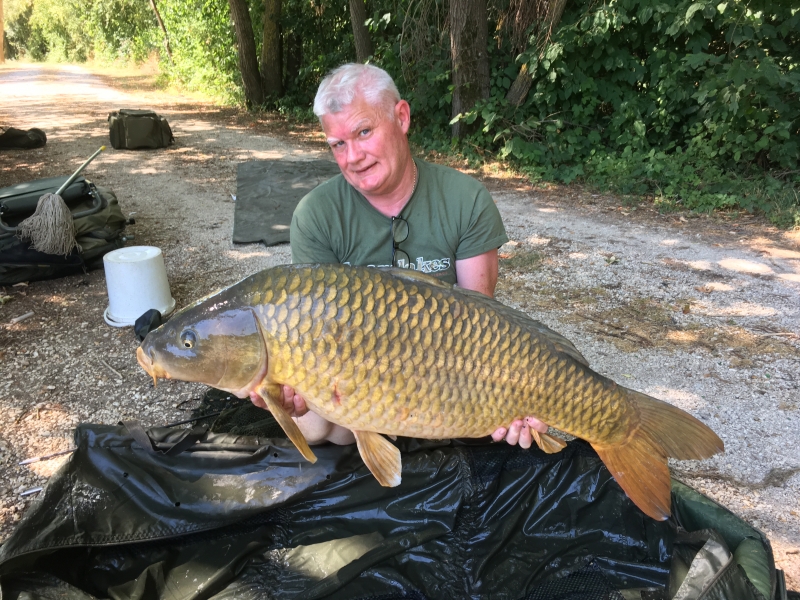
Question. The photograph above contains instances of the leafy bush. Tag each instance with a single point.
(692, 101)
(120, 29)
(318, 37)
(203, 47)
(59, 30)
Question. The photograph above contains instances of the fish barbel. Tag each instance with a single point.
(399, 353)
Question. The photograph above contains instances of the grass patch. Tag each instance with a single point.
(523, 260)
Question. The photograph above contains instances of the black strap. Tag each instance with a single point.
(139, 435)
(190, 438)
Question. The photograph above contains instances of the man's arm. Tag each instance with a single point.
(478, 273)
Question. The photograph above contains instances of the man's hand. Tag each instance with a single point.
(520, 432)
(292, 403)
(314, 428)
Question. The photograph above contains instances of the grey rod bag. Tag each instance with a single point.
(184, 513)
(133, 129)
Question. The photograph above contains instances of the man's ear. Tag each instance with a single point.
(402, 112)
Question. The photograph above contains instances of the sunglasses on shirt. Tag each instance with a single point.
(399, 235)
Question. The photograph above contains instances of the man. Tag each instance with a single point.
(388, 209)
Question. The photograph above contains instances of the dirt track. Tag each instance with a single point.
(703, 312)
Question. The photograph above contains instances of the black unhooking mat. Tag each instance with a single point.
(267, 192)
(193, 514)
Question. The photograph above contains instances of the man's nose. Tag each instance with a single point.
(354, 153)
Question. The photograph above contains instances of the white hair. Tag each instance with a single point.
(340, 87)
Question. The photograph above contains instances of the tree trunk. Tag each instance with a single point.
(163, 28)
(547, 23)
(358, 15)
(271, 57)
(294, 56)
(519, 89)
(469, 40)
(248, 62)
(2, 37)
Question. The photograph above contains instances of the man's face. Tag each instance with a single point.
(369, 146)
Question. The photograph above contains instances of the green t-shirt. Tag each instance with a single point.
(450, 216)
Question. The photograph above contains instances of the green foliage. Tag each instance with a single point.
(318, 38)
(121, 29)
(694, 102)
(17, 15)
(72, 30)
(203, 47)
(55, 31)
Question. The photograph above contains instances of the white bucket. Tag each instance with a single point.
(136, 280)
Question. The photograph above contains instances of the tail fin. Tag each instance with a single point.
(639, 464)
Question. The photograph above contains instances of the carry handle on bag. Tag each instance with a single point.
(132, 129)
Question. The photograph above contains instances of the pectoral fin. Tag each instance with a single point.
(381, 457)
(270, 395)
(548, 443)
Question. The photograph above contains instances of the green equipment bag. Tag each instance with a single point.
(99, 228)
(131, 129)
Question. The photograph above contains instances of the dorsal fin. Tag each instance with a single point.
(561, 343)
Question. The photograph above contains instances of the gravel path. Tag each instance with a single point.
(700, 311)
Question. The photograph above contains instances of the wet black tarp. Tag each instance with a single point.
(233, 516)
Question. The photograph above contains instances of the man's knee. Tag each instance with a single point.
(341, 436)
(314, 428)
(318, 430)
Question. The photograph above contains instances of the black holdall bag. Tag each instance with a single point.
(99, 228)
(21, 139)
(132, 129)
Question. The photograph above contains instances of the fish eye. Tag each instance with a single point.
(188, 339)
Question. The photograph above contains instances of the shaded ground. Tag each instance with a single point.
(700, 311)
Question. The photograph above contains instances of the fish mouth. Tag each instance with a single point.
(146, 362)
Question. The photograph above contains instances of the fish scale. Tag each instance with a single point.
(476, 328)
(399, 353)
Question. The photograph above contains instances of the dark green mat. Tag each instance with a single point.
(267, 192)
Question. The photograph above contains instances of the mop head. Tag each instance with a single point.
(50, 228)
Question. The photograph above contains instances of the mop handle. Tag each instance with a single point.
(78, 172)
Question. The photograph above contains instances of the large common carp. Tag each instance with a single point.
(399, 353)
